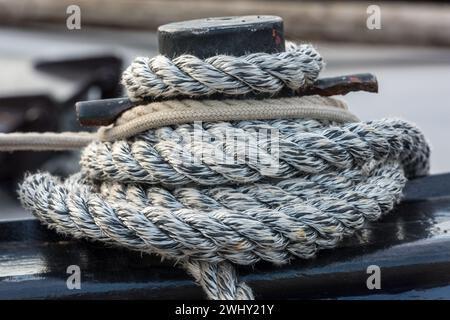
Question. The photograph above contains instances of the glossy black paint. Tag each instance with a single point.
(101, 112)
(411, 245)
(234, 36)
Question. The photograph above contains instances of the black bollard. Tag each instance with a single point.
(234, 36)
(202, 38)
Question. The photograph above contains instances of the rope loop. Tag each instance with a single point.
(246, 184)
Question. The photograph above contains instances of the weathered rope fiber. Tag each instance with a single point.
(187, 75)
(212, 194)
(272, 220)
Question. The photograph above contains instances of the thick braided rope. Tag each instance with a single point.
(170, 190)
(314, 102)
(187, 75)
(332, 179)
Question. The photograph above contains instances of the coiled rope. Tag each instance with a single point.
(193, 192)
(187, 75)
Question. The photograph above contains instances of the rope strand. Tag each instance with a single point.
(257, 180)
(266, 219)
(187, 75)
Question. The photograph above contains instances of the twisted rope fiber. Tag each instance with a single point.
(187, 75)
(164, 190)
(208, 228)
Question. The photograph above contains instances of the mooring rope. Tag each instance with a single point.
(170, 112)
(45, 141)
(215, 194)
(190, 76)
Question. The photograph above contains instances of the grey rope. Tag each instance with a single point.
(172, 191)
(219, 280)
(187, 75)
(165, 155)
(272, 219)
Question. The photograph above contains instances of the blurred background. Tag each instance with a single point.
(56, 52)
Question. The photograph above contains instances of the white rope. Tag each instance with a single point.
(197, 214)
(170, 112)
(168, 155)
(45, 141)
(190, 76)
(170, 190)
(164, 113)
